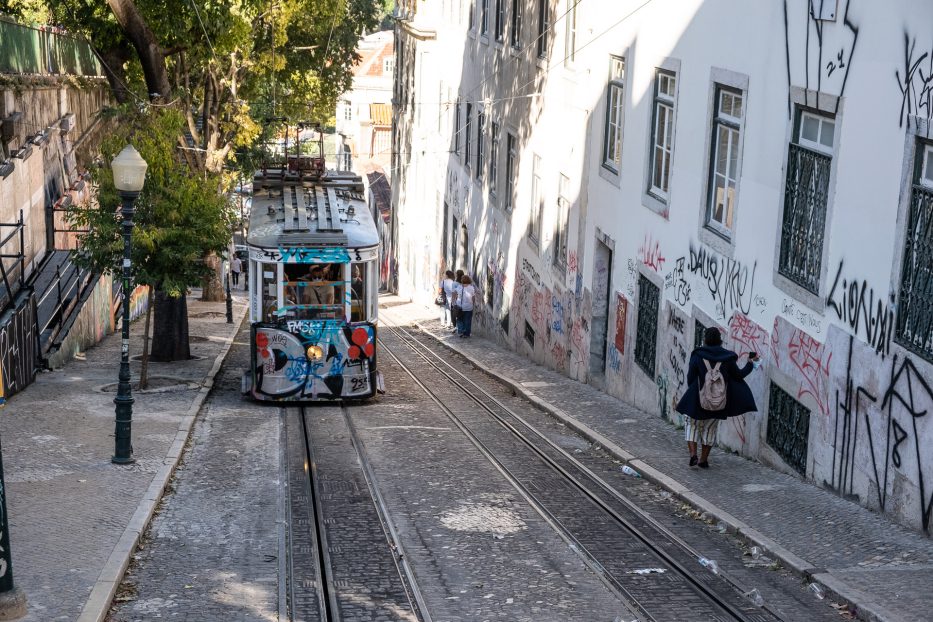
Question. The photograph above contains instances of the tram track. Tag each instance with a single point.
(643, 538)
(345, 560)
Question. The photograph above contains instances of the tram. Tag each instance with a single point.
(313, 289)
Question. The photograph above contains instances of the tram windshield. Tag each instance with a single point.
(314, 291)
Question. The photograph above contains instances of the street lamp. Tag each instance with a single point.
(129, 175)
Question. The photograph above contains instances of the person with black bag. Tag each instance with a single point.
(445, 293)
(716, 390)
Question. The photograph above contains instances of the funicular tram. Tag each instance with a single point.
(313, 257)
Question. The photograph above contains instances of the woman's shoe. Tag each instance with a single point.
(693, 461)
(704, 465)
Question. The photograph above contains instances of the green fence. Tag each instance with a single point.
(28, 50)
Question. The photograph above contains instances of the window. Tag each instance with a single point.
(480, 128)
(806, 194)
(662, 135)
(612, 145)
(914, 320)
(484, 18)
(500, 20)
(570, 53)
(724, 159)
(467, 137)
(537, 202)
(511, 155)
(788, 428)
(388, 65)
(544, 25)
(515, 38)
(347, 111)
(471, 19)
(494, 159)
(698, 333)
(457, 127)
(563, 222)
(646, 332)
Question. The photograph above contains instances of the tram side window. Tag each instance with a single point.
(268, 292)
(362, 307)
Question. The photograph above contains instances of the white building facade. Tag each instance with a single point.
(619, 175)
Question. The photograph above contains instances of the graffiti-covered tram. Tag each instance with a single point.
(313, 259)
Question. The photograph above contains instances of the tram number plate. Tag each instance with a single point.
(358, 383)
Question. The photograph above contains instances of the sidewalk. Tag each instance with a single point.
(881, 569)
(74, 516)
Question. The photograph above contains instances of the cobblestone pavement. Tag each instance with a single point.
(68, 504)
(212, 549)
(872, 561)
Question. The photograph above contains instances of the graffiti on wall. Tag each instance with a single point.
(18, 345)
(915, 81)
(868, 316)
(730, 282)
(621, 316)
(676, 282)
(881, 429)
(829, 45)
(650, 254)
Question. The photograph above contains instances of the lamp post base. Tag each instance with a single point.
(119, 460)
(12, 604)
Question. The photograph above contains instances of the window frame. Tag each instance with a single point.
(562, 223)
(484, 19)
(616, 83)
(515, 33)
(819, 146)
(457, 127)
(480, 123)
(494, 159)
(467, 134)
(667, 101)
(926, 164)
(511, 162)
(732, 124)
(570, 33)
(536, 213)
(544, 26)
(500, 21)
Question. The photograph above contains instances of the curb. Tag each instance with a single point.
(105, 588)
(860, 604)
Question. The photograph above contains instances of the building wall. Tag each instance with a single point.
(853, 397)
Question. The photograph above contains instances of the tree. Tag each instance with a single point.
(179, 218)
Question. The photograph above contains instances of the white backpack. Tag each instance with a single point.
(713, 391)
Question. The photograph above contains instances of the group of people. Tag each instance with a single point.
(455, 298)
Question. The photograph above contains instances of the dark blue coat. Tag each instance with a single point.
(739, 398)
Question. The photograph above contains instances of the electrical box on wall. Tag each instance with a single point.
(824, 10)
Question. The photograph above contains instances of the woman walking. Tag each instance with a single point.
(465, 296)
(447, 287)
(725, 394)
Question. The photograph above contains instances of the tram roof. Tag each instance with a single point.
(329, 211)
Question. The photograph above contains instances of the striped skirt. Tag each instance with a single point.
(700, 431)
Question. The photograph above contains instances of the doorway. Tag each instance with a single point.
(599, 324)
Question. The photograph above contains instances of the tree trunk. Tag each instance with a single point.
(170, 330)
(144, 365)
(114, 59)
(212, 287)
(147, 47)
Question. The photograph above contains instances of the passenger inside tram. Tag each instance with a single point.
(313, 291)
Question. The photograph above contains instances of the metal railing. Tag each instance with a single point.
(30, 50)
(19, 258)
(805, 197)
(915, 304)
(59, 300)
(646, 329)
(788, 428)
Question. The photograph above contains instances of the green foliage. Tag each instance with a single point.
(180, 215)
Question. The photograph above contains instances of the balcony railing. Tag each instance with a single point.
(805, 197)
(28, 50)
(915, 304)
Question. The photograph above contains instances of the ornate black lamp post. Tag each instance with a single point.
(129, 174)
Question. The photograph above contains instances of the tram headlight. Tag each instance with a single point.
(315, 353)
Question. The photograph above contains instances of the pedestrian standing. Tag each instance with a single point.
(455, 309)
(467, 295)
(716, 390)
(447, 289)
(236, 266)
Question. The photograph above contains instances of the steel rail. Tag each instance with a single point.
(407, 574)
(710, 595)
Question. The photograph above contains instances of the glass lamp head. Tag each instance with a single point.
(129, 170)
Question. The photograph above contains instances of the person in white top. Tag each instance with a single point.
(447, 286)
(236, 266)
(465, 298)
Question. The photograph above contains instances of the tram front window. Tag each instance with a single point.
(314, 292)
(362, 291)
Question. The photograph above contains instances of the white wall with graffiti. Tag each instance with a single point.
(762, 167)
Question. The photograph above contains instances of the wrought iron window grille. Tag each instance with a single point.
(646, 331)
(806, 194)
(915, 303)
(788, 428)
